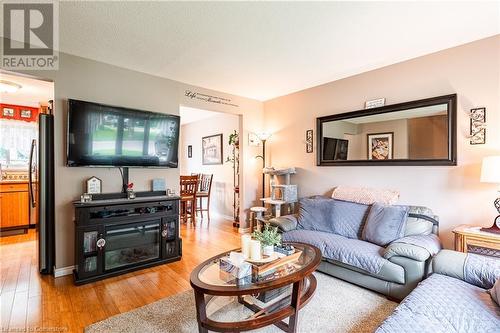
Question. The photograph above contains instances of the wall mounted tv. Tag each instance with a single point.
(103, 136)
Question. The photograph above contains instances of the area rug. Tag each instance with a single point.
(337, 307)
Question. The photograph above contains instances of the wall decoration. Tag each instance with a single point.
(94, 185)
(380, 146)
(212, 149)
(309, 141)
(477, 126)
(375, 103)
(208, 98)
(253, 140)
(159, 184)
(8, 112)
(25, 113)
(190, 151)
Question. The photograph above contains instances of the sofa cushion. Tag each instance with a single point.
(364, 195)
(316, 214)
(349, 218)
(354, 252)
(442, 304)
(385, 224)
(390, 271)
(482, 271)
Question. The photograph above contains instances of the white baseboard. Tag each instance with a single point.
(58, 272)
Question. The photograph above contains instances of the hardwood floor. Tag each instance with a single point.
(31, 302)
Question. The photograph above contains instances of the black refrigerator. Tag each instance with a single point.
(41, 189)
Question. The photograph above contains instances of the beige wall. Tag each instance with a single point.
(85, 79)
(222, 184)
(455, 193)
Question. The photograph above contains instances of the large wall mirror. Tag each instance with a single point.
(420, 132)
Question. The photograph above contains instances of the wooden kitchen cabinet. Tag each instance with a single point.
(14, 206)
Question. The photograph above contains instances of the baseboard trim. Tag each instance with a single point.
(63, 271)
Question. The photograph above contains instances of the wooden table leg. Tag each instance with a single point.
(201, 310)
(295, 303)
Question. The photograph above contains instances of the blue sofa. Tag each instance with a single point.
(453, 299)
(393, 270)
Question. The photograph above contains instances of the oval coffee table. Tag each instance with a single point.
(292, 285)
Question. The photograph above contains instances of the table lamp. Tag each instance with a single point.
(490, 173)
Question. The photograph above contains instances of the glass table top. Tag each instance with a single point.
(212, 275)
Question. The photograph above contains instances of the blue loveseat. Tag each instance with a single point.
(393, 270)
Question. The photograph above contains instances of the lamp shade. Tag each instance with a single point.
(263, 136)
(490, 170)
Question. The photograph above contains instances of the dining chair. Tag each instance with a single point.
(188, 190)
(204, 190)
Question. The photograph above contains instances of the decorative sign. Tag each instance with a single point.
(478, 126)
(190, 151)
(309, 141)
(25, 113)
(8, 112)
(94, 185)
(209, 98)
(159, 184)
(375, 103)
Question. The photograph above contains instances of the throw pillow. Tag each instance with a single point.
(365, 195)
(385, 224)
(348, 218)
(495, 292)
(316, 214)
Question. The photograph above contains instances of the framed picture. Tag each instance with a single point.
(211, 149)
(380, 146)
(253, 140)
(8, 112)
(25, 113)
(190, 151)
(309, 141)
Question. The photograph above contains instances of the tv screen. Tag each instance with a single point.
(103, 135)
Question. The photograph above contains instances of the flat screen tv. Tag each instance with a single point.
(103, 136)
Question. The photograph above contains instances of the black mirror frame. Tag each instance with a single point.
(450, 100)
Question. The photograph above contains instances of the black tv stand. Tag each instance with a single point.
(116, 235)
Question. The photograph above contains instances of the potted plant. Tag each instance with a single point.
(269, 237)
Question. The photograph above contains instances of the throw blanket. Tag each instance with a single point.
(430, 243)
(364, 195)
(442, 304)
(354, 252)
(481, 271)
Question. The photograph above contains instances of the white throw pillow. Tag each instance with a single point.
(364, 195)
(495, 292)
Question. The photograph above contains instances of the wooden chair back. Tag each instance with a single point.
(205, 182)
(189, 185)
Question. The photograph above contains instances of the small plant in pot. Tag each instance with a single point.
(269, 237)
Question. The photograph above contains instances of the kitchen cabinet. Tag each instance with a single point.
(14, 205)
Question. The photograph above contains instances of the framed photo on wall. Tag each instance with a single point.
(211, 149)
(190, 151)
(380, 146)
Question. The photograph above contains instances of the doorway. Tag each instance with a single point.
(209, 146)
(24, 102)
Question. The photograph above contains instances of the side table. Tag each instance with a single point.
(470, 239)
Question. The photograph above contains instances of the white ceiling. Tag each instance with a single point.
(190, 115)
(32, 91)
(267, 49)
